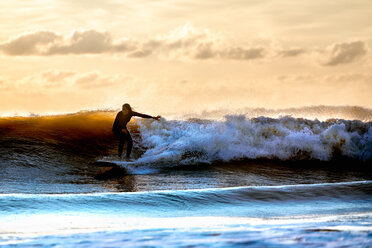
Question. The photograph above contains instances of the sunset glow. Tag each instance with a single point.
(188, 56)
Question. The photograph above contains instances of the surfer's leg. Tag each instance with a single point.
(121, 138)
(129, 144)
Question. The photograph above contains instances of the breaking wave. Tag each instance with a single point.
(55, 141)
(237, 138)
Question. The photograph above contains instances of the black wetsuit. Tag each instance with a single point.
(120, 123)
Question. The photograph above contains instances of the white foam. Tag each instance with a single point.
(235, 138)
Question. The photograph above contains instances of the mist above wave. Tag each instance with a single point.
(309, 112)
(319, 112)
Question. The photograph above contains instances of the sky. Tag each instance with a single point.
(162, 56)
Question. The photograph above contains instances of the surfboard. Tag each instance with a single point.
(102, 163)
(109, 164)
(113, 163)
(146, 159)
(109, 169)
(142, 165)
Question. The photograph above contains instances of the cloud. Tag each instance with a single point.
(29, 43)
(243, 53)
(343, 53)
(189, 42)
(362, 81)
(292, 52)
(91, 42)
(49, 43)
(186, 42)
(56, 80)
(357, 81)
(92, 80)
(55, 75)
(296, 78)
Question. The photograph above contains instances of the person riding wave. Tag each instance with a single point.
(120, 129)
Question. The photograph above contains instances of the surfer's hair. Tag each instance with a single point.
(127, 106)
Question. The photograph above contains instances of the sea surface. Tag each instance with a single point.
(212, 180)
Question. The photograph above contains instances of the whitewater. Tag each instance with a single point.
(238, 138)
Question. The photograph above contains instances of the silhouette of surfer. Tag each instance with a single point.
(120, 128)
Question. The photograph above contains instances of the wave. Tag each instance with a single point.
(59, 140)
(36, 141)
(246, 201)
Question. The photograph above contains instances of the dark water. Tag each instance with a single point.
(238, 182)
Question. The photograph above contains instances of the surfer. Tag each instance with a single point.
(120, 128)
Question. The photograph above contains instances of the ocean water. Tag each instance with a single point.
(235, 181)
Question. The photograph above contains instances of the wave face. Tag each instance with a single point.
(32, 141)
(58, 140)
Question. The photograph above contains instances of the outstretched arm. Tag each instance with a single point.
(146, 116)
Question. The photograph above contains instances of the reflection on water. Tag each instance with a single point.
(89, 178)
(230, 175)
